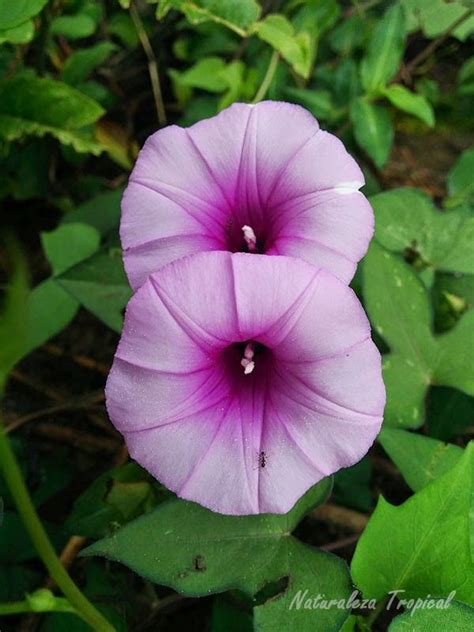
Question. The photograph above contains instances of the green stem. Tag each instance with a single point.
(267, 80)
(380, 607)
(23, 607)
(14, 480)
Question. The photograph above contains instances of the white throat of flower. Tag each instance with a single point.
(247, 361)
(250, 238)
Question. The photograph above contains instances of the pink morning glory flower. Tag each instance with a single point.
(241, 380)
(262, 179)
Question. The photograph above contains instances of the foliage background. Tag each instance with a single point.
(82, 84)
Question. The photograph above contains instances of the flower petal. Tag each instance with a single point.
(194, 189)
(312, 404)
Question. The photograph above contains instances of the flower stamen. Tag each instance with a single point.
(250, 238)
(247, 361)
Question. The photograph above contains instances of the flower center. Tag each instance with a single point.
(246, 237)
(247, 361)
(250, 238)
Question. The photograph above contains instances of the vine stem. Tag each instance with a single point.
(380, 607)
(268, 78)
(152, 65)
(14, 480)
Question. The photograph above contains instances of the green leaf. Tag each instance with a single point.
(102, 212)
(422, 546)
(33, 106)
(420, 459)
(399, 309)
(100, 285)
(349, 34)
(398, 306)
(73, 26)
(50, 309)
(13, 14)
(384, 51)
(460, 181)
(236, 15)
(82, 63)
(113, 499)
(205, 75)
(21, 34)
(373, 129)
(405, 383)
(311, 573)
(294, 47)
(435, 17)
(407, 219)
(318, 102)
(453, 365)
(453, 616)
(68, 244)
(195, 551)
(410, 102)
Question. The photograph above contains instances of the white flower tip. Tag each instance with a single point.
(346, 188)
(248, 365)
(250, 237)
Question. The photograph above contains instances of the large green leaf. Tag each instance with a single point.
(399, 309)
(49, 307)
(15, 13)
(294, 47)
(30, 106)
(100, 285)
(373, 129)
(420, 459)
(423, 546)
(406, 219)
(310, 573)
(385, 50)
(195, 551)
(454, 616)
(408, 101)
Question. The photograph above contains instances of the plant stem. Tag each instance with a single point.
(380, 607)
(432, 46)
(268, 78)
(152, 65)
(23, 607)
(14, 480)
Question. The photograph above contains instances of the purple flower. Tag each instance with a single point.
(242, 380)
(260, 178)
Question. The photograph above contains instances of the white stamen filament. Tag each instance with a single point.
(250, 238)
(247, 361)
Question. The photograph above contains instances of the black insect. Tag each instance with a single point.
(262, 459)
